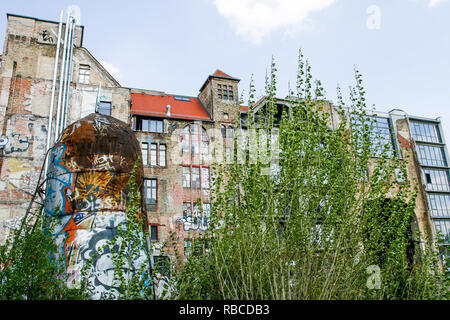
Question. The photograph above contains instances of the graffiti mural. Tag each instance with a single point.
(196, 220)
(86, 193)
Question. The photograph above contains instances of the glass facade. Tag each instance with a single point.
(443, 230)
(436, 179)
(439, 205)
(432, 157)
(380, 135)
(425, 132)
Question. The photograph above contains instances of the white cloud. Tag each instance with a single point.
(434, 3)
(112, 69)
(255, 19)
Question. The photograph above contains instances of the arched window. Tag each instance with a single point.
(195, 140)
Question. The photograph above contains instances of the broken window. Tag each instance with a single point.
(84, 74)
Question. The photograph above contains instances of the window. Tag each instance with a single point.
(187, 247)
(153, 151)
(154, 233)
(219, 91)
(195, 177)
(195, 146)
(427, 132)
(149, 125)
(186, 177)
(205, 178)
(151, 190)
(229, 132)
(207, 209)
(443, 230)
(223, 129)
(380, 135)
(436, 179)
(225, 115)
(431, 155)
(162, 155)
(187, 211)
(84, 74)
(104, 108)
(195, 140)
(439, 205)
(144, 148)
(162, 265)
(230, 92)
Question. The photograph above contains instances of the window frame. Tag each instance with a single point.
(153, 187)
(84, 74)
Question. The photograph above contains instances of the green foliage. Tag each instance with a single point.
(129, 251)
(29, 269)
(316, 227)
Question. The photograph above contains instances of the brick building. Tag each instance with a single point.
(175, 179)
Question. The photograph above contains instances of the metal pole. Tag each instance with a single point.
(61, 78)
(52, 101)
(66, 71)
(69, 74)
(55, 73)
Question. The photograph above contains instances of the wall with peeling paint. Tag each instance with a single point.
(26, 76)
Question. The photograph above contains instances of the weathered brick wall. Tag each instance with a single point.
(26, 79)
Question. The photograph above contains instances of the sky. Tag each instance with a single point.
(401, 47)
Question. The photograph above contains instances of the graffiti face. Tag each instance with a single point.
(87, 187)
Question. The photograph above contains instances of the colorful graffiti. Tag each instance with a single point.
(196, 220)
(86, 193)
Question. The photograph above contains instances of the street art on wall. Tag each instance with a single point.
(196, 220)
(86, 193)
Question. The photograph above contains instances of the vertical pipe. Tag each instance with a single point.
(55, 73)
(70, 73)
(52, 101)
(66, 70)
(61, 78)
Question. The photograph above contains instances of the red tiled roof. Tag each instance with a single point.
(220, 73)
(156, 105)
